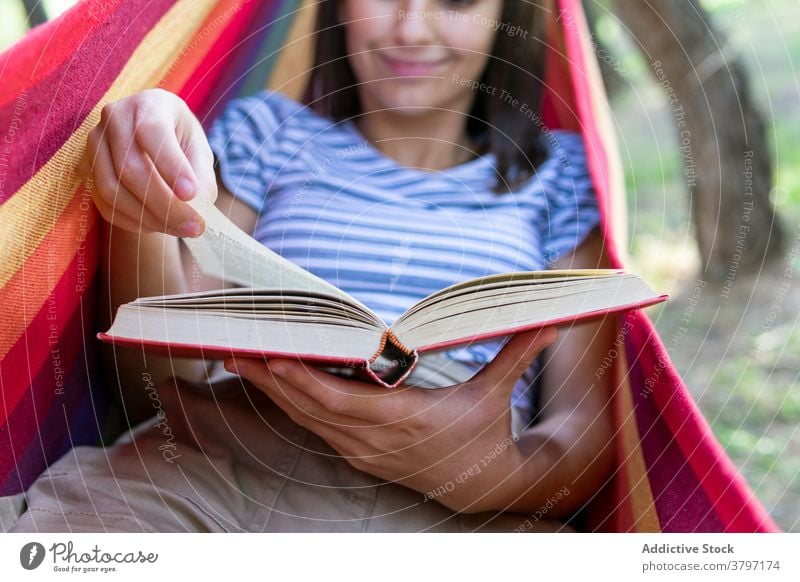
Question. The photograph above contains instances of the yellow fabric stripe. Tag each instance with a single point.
(640, 496)
(293, 68)
(26, 293)
(33, 211)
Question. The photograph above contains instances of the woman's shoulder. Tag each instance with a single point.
(565, 167)
(566, 146)
(566, 158)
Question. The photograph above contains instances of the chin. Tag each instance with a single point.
(408, 103)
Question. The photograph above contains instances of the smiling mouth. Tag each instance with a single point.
(407, 68)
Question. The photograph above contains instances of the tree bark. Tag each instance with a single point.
(35, 11)
(727, 164)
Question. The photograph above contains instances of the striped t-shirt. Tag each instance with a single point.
(390, 235)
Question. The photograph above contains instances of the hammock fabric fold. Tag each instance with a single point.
(671, 475)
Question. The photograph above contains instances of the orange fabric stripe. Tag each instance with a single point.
(25, 293)
(33, 351)
(36, 219)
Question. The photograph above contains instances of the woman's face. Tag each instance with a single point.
(409, 55)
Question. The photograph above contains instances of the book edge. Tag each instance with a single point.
(541, 324)
(179, 350)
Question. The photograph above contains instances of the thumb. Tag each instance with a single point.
(517, 355)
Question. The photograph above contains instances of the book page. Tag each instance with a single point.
(505, 281)
(213, 335)
(486, 313)
(227, 252)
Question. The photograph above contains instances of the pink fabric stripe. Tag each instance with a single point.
(681, 502)
(44, 116)
(69, 32)
(204, 81)
(71, 326)
(595, 148)
(26, 447)
(727, 490)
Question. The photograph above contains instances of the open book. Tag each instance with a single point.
(284, 311)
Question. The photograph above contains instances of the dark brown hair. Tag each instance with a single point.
(516, 65)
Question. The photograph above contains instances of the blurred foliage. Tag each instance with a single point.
(13, 20)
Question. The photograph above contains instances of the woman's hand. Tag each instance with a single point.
(453, 445)
(146, 158)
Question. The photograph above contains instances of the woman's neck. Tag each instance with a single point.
(432, 141)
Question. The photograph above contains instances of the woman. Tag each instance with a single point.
(419, 161)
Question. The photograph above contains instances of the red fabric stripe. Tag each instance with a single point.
(69, 31)
(32, 350)
(738, 509)
(44, 117)
(29, 287)
(558, 106)
(726, 489)
(71, 421)
(679, 497)
(572, 14)
(27, 420)
(206, 77)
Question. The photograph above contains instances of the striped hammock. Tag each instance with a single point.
(672, 475)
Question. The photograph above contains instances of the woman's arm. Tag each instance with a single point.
(145, 159)
(571, 448)
(141, 265)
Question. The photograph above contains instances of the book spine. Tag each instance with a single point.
(392, 362)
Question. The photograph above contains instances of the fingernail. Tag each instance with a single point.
(184, 188)
(190, 228)
(278, 369)
(231, 367)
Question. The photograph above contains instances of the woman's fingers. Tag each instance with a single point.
(120, 221)
(158, 140)
(262, 377)
(336, 434)
(135, 169)
(517, 355)
(115, 202)
(201, 159)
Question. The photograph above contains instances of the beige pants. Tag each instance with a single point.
(231, 461)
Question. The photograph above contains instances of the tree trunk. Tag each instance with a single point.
(35, 11)
(721, 134)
